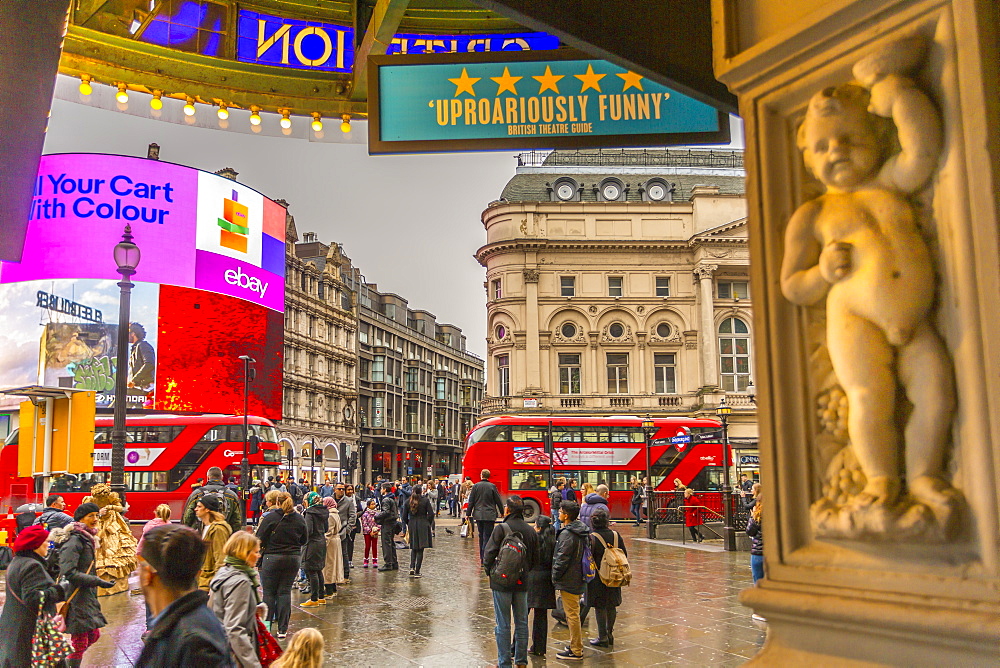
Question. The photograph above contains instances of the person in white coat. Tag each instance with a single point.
(333, 571)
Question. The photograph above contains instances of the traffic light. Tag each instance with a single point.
(354, 461)
(253, 444)
(318, 455)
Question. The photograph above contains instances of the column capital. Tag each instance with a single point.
(530, 275)
(705, 271)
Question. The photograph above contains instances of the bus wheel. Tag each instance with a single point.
(531, 510)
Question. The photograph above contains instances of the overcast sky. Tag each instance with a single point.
(410, 223)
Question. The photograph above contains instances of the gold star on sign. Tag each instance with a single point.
(464, 84)
(590, 79)
(632, 80)
(506, 82)
(548, 81)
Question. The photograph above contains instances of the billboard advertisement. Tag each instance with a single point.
(209, 287)
(194, 229)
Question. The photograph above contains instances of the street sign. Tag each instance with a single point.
(707, 436)
(681, 439)
(660, 441)
(526, 99)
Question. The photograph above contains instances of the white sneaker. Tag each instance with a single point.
(758, 618)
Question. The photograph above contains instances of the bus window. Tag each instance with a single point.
(495, 433)
(595, 478)
(621, 481)
(709, 478)
(272, 456)
(218, 434)
(567, 434)
(595, 434)
(529, 480)
(148, 481)
(627, 435)
(528, 432)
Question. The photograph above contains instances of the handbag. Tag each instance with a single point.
(49, 647)
(60, 619)
(464, 533)
(268, 649)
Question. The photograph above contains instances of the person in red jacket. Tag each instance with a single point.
(692, 514)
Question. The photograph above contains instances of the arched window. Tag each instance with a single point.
(734, 355)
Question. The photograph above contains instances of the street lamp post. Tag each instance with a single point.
(248, 375)
(728, 532)
(126, 256)
(648, 429)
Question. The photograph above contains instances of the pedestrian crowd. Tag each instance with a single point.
(219, 594)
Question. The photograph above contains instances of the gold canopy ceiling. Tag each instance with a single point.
(201, 50)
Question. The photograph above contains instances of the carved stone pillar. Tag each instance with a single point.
(709, 357)
(532, 380)
(873, 164)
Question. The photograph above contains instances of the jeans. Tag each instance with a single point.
(485, 531)
(388, 547)
(539, 630)
(637, 512)
(347, 551)
(757, 567)
(277, 572)
(503, 603)
(606, 623)
(316, 588)
(571, 604)
(416, 559)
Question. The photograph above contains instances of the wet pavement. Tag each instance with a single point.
(680, 610)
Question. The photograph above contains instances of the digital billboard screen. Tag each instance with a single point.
(209, 287)
(194, 229)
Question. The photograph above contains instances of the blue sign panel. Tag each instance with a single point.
(313, 45)
(680, 439)
(545, 100)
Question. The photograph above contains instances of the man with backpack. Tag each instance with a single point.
(512, 551)
(568, 573)
(232, 506)
(485, 505)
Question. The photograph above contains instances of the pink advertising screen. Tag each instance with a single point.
(194, 229)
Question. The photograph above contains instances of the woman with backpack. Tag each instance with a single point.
(541, 592)
(216, 531)
(602, 598)
(420, 517)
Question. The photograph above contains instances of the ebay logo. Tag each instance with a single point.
(246, 281)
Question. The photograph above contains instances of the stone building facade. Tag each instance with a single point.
(320, 364)
(420, 390)
(618, 283)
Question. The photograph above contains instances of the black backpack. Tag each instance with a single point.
(509, 567)
(296, 493)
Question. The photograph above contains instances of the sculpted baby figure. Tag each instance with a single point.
(859, 246)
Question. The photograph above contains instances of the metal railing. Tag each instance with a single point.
(668, 508)
(724, 159)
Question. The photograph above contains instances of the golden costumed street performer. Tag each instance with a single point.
(116, 548)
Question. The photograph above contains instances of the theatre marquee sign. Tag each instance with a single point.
(456, 102)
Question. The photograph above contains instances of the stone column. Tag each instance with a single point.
(532, 355)
(394, 465)
(709, 351)
(877, 361)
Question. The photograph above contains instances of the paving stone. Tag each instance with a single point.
(681, 610)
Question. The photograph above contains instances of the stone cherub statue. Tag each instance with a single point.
(874, 144)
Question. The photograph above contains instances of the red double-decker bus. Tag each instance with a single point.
(609, 450)
(165, 455)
